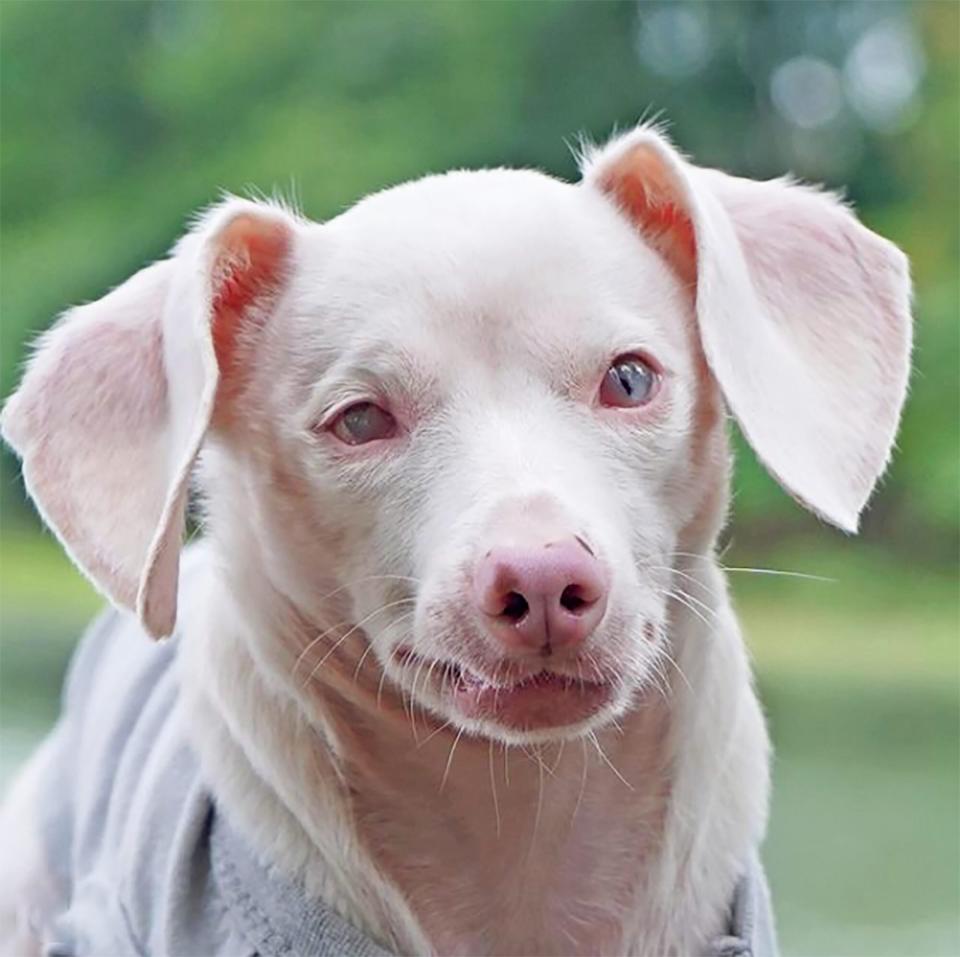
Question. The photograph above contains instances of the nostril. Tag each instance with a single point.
(574, 600)
(515, 607)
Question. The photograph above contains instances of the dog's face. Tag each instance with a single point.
(485, 387)
(487, 406)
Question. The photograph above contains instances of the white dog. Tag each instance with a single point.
(455, 669)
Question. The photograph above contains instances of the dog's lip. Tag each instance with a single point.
(511, 676)
(540, 698)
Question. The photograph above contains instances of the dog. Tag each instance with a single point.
(455, 670)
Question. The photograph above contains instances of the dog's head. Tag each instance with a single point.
(489, 405)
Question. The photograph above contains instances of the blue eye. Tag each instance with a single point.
(630, 382)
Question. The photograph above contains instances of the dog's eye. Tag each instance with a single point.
(631, 381)
(363, 422)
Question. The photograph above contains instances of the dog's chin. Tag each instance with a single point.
(560, 728)
(541, 706)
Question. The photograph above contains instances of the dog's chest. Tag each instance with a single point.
(564, 889)
(518, 852)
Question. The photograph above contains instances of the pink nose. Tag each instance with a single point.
(542, 599)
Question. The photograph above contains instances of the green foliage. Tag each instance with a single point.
(122, 118)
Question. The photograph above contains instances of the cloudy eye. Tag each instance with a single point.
(363, 422)
(630, 382)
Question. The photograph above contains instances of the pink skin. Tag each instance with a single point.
(537, 604)
(545, 700)
(542, 600)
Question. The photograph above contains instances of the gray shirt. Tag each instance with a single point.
(146, 863)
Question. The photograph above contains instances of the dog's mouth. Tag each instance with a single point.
(537, 700)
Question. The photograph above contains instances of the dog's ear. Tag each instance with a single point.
(804, 314)
(115, 404)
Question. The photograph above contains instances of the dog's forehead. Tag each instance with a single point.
(479, 263)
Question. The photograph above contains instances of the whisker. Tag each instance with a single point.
(413, 698)
(698, 602)
(697, 555)
(691, 578)
(433, 734)
(363, 658)
(446, 770)
(330, 651)
(596, 743)
(663, 683)
(536, 819)
(368, 578)
(493, 787)
(658, 679)
(536, 753)
(313, 643)
(433, 664)
(383, 678)
(355, 628)
(673, 661)
(756, 571)
(780, 572)
(556, 763)
(681, 598)
(323, 634)
(430, 664)
(583, 782)
(594, 663)
(400, 619)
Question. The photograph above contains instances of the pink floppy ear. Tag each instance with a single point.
(804, 314)
(115, 404)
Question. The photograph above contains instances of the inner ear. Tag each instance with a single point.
(251, 257)
(644, 186)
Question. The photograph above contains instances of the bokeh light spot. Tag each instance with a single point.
(807, 92)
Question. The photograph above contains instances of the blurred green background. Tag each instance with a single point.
(120, 119)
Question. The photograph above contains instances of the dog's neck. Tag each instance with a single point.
(629, 841)
(501, 849)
